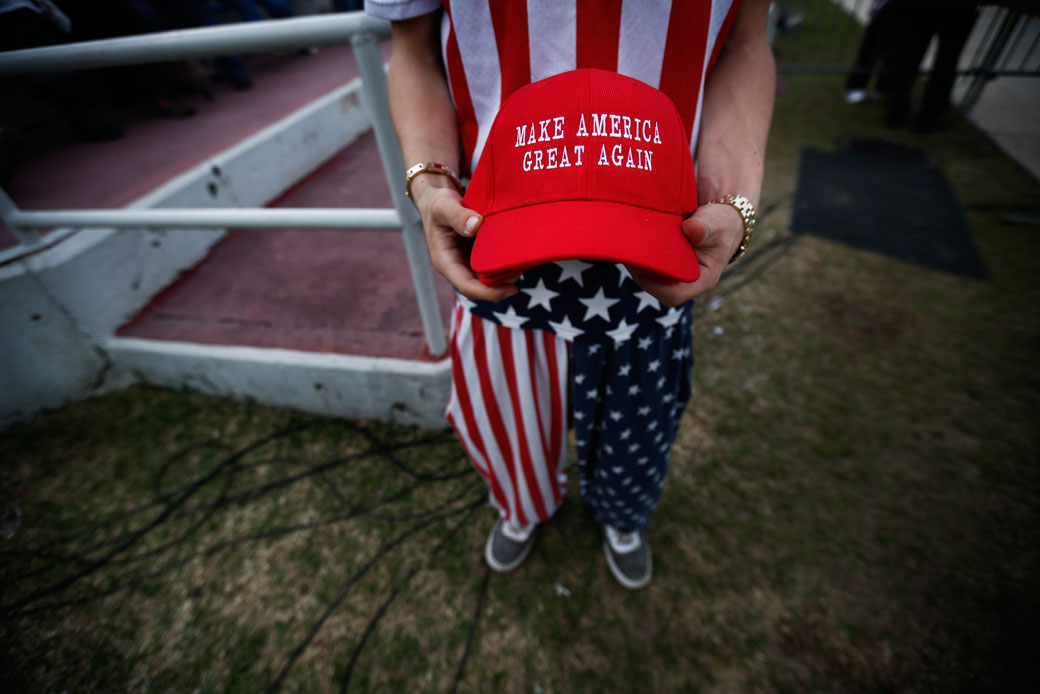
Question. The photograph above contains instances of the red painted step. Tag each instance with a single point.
(347, 292)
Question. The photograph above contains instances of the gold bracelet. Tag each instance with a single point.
(747, 213)
(429, 167)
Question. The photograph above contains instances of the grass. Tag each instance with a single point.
(824, 35)
(852, 505)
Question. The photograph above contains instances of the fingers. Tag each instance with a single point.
(463, 279)
(709, 278)
(453, 266)
(715, 226)
(696, 230)
(715, 232)
(448, 224)
(702, 229)
(450, 259)
(670, 295)
(449, 212)
(446, 210)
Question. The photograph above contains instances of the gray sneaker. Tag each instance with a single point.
(628, 556)
(507, 546)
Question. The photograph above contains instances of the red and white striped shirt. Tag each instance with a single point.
(494, 47)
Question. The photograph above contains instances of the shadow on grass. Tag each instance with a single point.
(84, 560)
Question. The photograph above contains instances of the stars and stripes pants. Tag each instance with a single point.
(513, 390)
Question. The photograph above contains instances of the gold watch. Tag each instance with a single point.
(747, 213)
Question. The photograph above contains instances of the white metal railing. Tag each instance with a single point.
(360, 30)
(211, 218)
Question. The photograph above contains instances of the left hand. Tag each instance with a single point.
(715, 231)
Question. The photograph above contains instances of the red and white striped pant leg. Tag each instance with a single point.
(509, 406)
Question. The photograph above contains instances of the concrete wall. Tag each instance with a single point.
(391, 390)
(47, 358)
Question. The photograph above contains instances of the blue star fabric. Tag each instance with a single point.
(575, 298)
(628, 400)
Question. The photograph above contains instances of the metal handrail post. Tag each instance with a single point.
(8, 212)
(987, 71)
(373, 85)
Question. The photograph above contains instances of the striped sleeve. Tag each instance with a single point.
(400, 9)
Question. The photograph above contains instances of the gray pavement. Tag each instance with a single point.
(1009, 112)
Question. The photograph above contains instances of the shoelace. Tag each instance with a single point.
(516, 534)
(623, 542)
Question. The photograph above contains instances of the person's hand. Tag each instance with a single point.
(715, 232)
(450, 228)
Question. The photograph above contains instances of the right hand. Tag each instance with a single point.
(448, 226)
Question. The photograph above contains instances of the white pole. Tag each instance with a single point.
(241, 37)
(209, 218)
(9, 213)
(373, 85)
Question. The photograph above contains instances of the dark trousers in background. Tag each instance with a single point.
(914, 24)
(876, 40)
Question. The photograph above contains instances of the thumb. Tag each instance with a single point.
(465, 222)
(696, 229)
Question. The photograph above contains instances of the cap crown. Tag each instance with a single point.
(586, 135)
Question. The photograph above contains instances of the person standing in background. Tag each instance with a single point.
(914, 23)
(876, 40)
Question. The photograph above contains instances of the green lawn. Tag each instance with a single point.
(852, 507)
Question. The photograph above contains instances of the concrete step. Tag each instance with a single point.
(323, 321)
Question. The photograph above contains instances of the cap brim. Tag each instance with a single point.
(516, 239)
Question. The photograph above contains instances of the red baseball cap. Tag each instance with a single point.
(587, 164)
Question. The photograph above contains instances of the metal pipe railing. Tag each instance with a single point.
(202, 42)
(987, 69)
(366, 52)
(361, 30)
(211, 218)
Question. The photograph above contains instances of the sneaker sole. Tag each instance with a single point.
(494, 563)
(622, 578)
